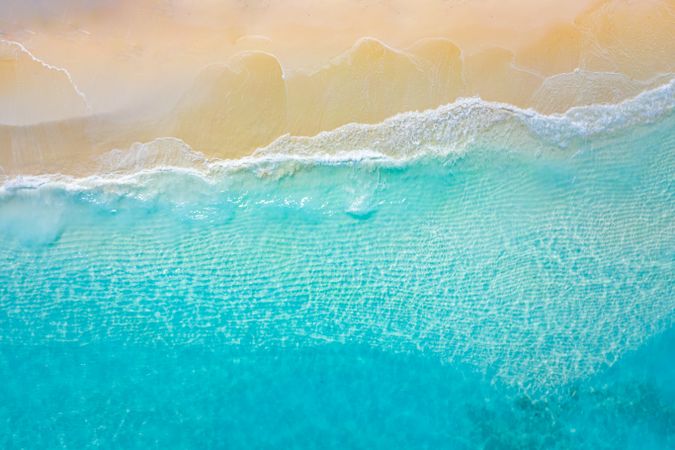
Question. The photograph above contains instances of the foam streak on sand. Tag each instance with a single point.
(46, 65)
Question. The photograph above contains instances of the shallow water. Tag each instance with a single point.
(499, 297)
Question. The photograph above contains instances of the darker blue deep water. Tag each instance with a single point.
(338, 396)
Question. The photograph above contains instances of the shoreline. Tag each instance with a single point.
(442, 132)
(232, 109)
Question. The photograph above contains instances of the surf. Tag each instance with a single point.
(517, 263)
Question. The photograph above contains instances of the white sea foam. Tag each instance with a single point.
(447, 130)
(450, 128)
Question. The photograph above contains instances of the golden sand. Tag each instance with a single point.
(230, 77)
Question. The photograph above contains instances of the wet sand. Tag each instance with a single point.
(230, 78)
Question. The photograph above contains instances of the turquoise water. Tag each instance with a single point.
(504, 296)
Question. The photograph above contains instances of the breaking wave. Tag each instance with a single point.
(535, 248)
(443, 132)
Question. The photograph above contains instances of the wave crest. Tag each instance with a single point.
(445, 131)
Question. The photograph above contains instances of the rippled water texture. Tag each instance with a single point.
(502, 297)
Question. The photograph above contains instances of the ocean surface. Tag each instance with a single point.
(477, 276)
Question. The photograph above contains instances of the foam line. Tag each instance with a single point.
(46, 65)
(404, 138)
